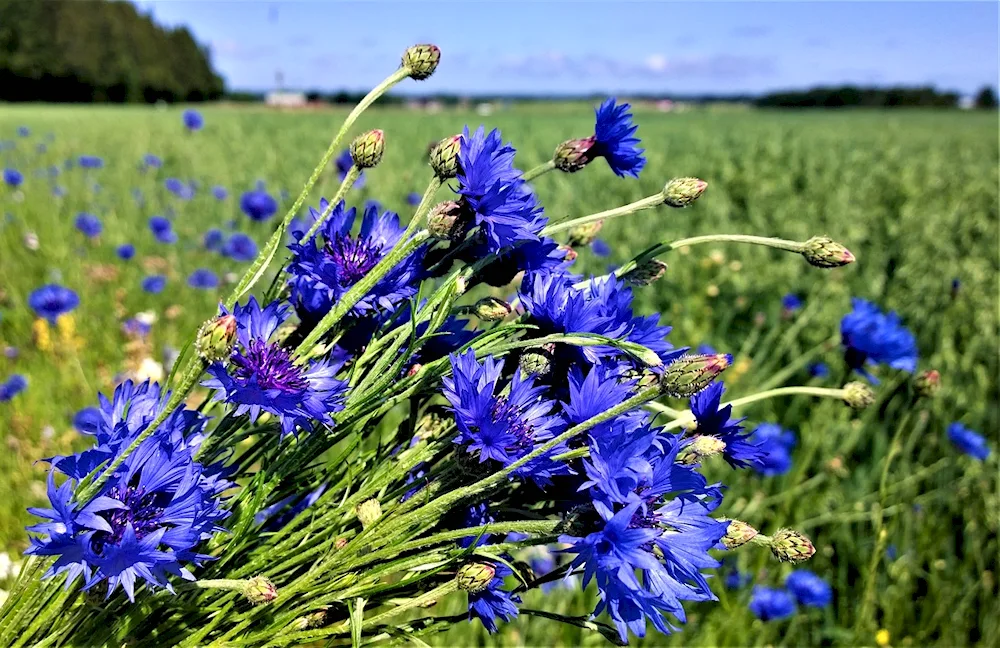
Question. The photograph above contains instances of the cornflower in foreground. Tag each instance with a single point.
(613, 139)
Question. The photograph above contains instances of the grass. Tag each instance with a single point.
(913, 194)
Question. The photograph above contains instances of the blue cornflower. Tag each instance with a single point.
(219, 192)
(325, 267)
(150, 515)
(809, 589)
(152, 161)
(771, 604)
(13, 177)
(712, 420)
(413, 199)
(162, 229)
(344, 162)
(776, 444)
(493, 601)
(181, 189)
(970, 442)
(125, 251)
(90, 162)
(287, 516)
(193, 120)
(615, 141)
(203, 278)
(88, 224)
(154, 284)
(239, 247)
(262, 376)
(819, 370)
(214, 240)
(499, 199)
(88, 418)
(258, 205)
(870, 336)
(791, 303)
(51, 301)
(503, 428)
(600, 248)
(736, 579)
(13, 386)
(136, 327)
(23, 131)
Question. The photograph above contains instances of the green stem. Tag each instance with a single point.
(646, 203)
(231, 584)
(349, 180)
(539, 170)
(800, 362)
(685, 417)
(259, 266)
(767, 241)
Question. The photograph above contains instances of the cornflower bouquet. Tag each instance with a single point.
(401, 411)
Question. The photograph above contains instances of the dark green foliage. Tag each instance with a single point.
(845, 96)
(64, 51)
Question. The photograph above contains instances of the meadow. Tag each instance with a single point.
(905, 525)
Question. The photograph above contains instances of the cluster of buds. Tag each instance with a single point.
(858, 395)
(420, 61)
(216, 338)
(692, 373)
(824, 252)
(367, 149)
(682, 192)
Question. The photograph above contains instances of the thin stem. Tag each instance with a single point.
(539, 170)
(349, 180)
(687, 417)
(780, 244)
(646, 203)
(259, 266)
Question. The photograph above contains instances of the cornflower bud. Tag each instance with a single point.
(444, 157)
(316, 619)
(928, 383)
(259, 590)
(584, 234)
(216, 338)
(824, 252)
(421, 60)
(572, 155)
(788, 545)
(537, 361)
(491, 309)
(475, 576)
(692, 373)
(681, 192)
(570, 253)
(646, 273)
(367, 149)
(368, 512)
(701, 447)
(738, 533)
(858, 395)
(446, 221)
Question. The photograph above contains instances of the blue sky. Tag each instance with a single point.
(612, 46)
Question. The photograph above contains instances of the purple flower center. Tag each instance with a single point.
(354, 258)
(524, 434)
(143, 512)
(270, 366)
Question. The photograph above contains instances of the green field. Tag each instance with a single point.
(913, 194)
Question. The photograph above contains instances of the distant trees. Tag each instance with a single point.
(986, 99)
(69, 51)
(844, 96)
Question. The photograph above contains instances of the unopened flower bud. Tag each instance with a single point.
(570, 253)
(701, 447)
(216, 338)
(491, 309)
(414, 370)
(432, 425)
(316, 619)
(537, 361)
(446, 221)
(681, 192)
(421, 60)
(824, 252)
(646, 273)
(367, 149)
(340, 543)
(858, 395)
(475, 576)
(692, 373)
(584, 234)
(572, 155)
(928, 383)
(738, 533)
(368, 511)
(444, 157)
(260, 590)
(788, 545)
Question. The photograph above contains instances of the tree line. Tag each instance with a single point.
(101, 51)
(872, 97)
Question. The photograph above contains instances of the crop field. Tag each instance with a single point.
(905, 525)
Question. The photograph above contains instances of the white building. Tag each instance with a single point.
(285, 99)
